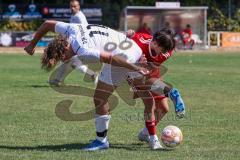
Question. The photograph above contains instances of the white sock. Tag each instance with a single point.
(153, 137)
(102, 139)
(102, 123)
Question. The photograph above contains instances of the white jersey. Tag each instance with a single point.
(88, 41)
(79, 17)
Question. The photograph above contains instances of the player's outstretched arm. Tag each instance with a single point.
(47, 26)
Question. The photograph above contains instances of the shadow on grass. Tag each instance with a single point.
(136, 146)
(39, 86)
(32, 86)
(79, 146)
(133, 146)
(61, 147)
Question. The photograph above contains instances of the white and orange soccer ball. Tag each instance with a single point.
(171, 136)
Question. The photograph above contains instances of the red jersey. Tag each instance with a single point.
(188, 31)
(143, 41)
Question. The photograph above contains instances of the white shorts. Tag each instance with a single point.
(114, 75)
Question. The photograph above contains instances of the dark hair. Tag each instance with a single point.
(71, 1)
(74, 1)
(165, 39)
(188, 26)
(53, 52)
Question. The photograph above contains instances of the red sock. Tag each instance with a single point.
(151, 126)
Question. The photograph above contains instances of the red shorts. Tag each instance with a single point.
(186, 40)
(158, 97)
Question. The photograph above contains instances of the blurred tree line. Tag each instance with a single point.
(223, 15)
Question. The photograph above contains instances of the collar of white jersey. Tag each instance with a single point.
(79, 12)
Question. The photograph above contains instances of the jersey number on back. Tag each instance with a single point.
(91, 34)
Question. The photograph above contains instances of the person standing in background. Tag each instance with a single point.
(77, 15)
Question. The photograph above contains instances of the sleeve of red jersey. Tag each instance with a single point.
(163, 57)
(137, 36)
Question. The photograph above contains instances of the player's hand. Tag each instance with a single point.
(130, 33)
(143, 71)
(30, 49)
(143, 61)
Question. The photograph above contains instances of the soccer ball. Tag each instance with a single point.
(171, 136)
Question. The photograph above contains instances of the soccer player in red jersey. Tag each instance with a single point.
(159, 103)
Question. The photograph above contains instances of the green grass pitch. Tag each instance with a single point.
(30, 129)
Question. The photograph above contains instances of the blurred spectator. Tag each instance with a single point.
(177, 25)
(77, 15)
(167, 25)
(144, 29)
(186, 36)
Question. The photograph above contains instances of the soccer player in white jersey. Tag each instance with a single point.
(93, 43)
(74, 63)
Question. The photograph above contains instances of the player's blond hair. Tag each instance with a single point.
(53, 52)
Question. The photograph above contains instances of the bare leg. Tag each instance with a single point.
(101, 95)
(161, 108)
(58, 76)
